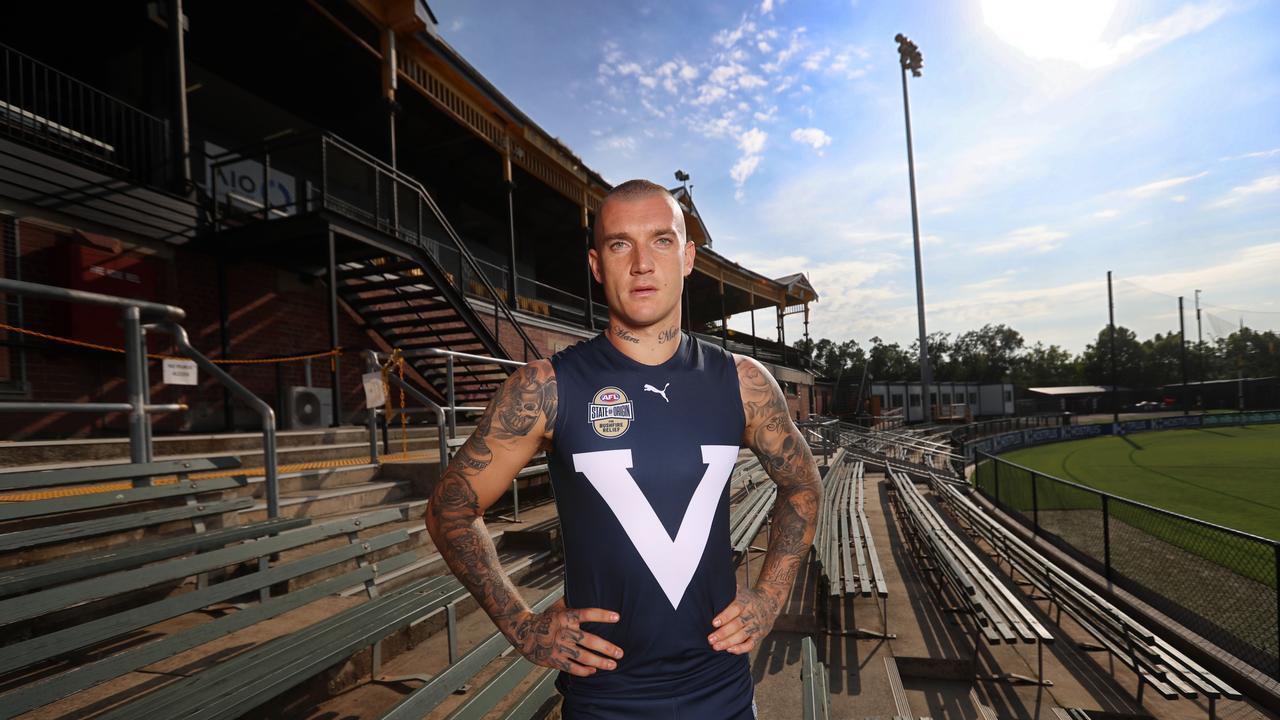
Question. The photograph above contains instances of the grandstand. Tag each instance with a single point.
(257, 284)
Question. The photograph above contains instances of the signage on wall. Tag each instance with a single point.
(180, 372)
(240, 184)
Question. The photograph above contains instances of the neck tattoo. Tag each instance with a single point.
(623, 334)
(666, 336)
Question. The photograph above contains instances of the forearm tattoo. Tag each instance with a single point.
(774, 438)
(454, 510)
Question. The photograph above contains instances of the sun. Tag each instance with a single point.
(1069, 30)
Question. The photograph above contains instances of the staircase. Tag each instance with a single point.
(409, 272)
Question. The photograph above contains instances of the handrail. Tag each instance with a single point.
(452, 409)
(163, 318)
(270, 468)
(373, 365)
(158, 311)
(448, 228)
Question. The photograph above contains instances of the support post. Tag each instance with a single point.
(179, 138)
(926, 372)
(1111, 323)
(1182, 340)
(590, 316)
(335, 371)
(724, 320)
(452, 397)
(509, 178)
(1106, 537)
(135, 375)
(224, 338)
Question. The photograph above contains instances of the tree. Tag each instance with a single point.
(1042, 366)
(1096, 360)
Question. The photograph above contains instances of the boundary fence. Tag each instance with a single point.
(1040, 435)
(1218, 582)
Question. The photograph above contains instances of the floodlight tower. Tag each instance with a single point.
(910, 59)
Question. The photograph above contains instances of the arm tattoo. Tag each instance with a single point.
(785, 456)
(454, 514)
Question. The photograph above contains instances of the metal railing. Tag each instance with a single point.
(373, 363)
(320, 171)
(61, 115)
(139, 316)
(986, 428)
(1219, 582)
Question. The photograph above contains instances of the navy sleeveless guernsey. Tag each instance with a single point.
(640, 469)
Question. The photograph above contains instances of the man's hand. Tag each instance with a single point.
(747, 620)
(555, 639)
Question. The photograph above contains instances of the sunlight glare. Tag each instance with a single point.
(1069, 30)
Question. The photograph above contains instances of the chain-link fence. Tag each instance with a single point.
(1219, 582)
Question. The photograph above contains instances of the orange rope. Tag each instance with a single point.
(159, 356)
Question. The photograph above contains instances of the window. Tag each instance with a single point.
(1008, 396)
(933, 398)
(946, 398)
(896, 400)
(973, 398)
(915, 400)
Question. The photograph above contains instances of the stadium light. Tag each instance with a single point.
(910, 59)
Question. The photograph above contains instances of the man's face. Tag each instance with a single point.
(641, 258)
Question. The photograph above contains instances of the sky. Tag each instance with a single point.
(1053, 141)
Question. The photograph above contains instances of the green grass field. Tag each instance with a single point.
(1225, 475)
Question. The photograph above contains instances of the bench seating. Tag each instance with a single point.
(1157, 663)
(752, 510)
(423, 700)
(35, 652)
(998, 615)
(816, 699)
(845, 550)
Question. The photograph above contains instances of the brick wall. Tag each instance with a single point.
(272, 312)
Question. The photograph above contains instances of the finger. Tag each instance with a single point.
(741, 648)
(727, 630)
(572, 644)
(729, 613)
(600, 645)
(594, 615)
(730, 640)
(572, 667)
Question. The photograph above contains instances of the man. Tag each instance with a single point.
(641, 426)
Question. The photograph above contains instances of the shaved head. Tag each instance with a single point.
(632, 190)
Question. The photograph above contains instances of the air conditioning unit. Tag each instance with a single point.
(309, 407)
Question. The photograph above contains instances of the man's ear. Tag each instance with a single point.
(690, 251)
(593, 260)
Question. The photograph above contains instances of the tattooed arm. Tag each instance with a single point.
(785, 455)
(518, 421)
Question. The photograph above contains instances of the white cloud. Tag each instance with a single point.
(1179, 198)
(708, 94)
(648, 81)
(813, 137)
(752, 141)
(744, 168)
(767, 115)
(1240, 193)
(624, 144)
(766, 6)
(750, 82)
(688, 73)
(1037, 238)
(815, 60)
(1154, 188)
(630, 68)
(1106, 214)
(724, 74)
(728, 38)
(763, 46)
(1254, 155)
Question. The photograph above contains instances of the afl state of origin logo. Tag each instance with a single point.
(610, 412)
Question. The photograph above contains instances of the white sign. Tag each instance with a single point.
(240, 183)
(375, 395)
(180, 372)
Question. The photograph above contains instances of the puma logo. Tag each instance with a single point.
(662, 392)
